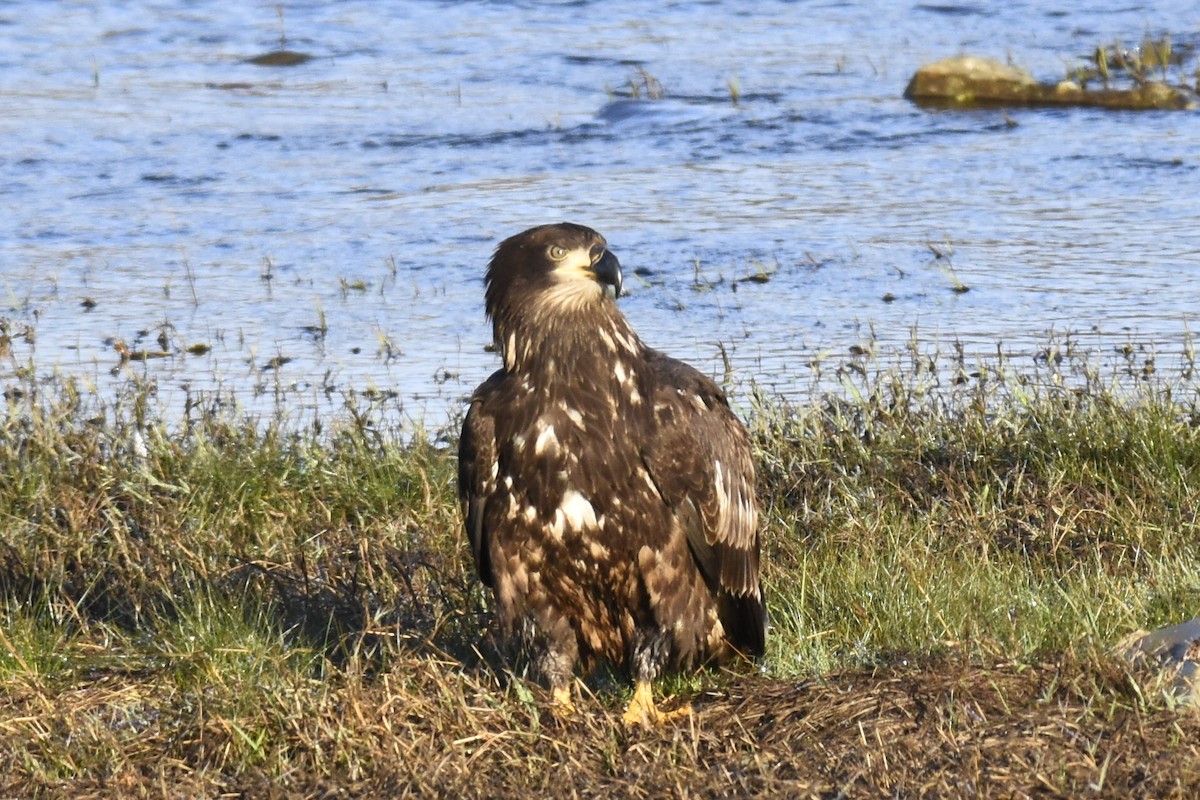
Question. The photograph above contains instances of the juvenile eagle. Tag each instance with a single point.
(607, 489)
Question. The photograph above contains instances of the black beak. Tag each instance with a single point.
(607, 269)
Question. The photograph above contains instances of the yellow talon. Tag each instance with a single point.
(642, 711)
(562, 704)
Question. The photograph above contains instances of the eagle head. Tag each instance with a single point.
(547, 279)
(561, 261)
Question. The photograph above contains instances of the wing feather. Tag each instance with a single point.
(477, 469)
(702, 462)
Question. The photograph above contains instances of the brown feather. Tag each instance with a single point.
(607, 490)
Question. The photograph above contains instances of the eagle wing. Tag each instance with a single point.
(702, 463)
(477, 469)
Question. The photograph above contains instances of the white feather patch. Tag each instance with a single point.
(577, 511)
(626, 341)
(722, 492)
(650, 482)
(510, 351)
(608, 340)
(545, 439)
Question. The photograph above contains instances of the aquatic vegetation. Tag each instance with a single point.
(1117, 64)
(735, 88)
(943, 254)
(348, 285)
(644, 86)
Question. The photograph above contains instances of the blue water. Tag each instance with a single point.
(149, 169)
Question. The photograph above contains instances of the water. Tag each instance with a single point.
(324, 228)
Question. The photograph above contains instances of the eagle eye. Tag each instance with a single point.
(556, 252)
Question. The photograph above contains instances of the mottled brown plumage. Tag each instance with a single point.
(607, 489)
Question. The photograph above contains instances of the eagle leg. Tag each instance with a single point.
(642, 711)
(548, 651)
(650, 651)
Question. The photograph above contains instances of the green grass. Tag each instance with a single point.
(221, 600)
(1003, 520)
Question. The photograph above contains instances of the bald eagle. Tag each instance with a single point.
(607, 489)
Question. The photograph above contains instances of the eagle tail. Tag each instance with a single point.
(744, 618)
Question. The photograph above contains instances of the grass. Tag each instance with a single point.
(1007, 519)
(1153, 57)
(223, 604)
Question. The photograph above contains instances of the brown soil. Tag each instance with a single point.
(426, 728)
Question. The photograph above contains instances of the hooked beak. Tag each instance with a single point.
(607, 268)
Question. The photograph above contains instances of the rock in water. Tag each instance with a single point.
(972, 81)
(963, 80)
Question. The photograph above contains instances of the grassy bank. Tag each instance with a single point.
(201, 602)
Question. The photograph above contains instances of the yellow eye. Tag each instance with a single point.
(557, 253)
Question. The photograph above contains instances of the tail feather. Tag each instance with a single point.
(744, 618)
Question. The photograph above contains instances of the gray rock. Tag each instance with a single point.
(1171, 654)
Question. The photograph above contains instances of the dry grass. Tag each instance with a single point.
(427, 728)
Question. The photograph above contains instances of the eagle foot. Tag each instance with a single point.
(642, 711)
(562, 704)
